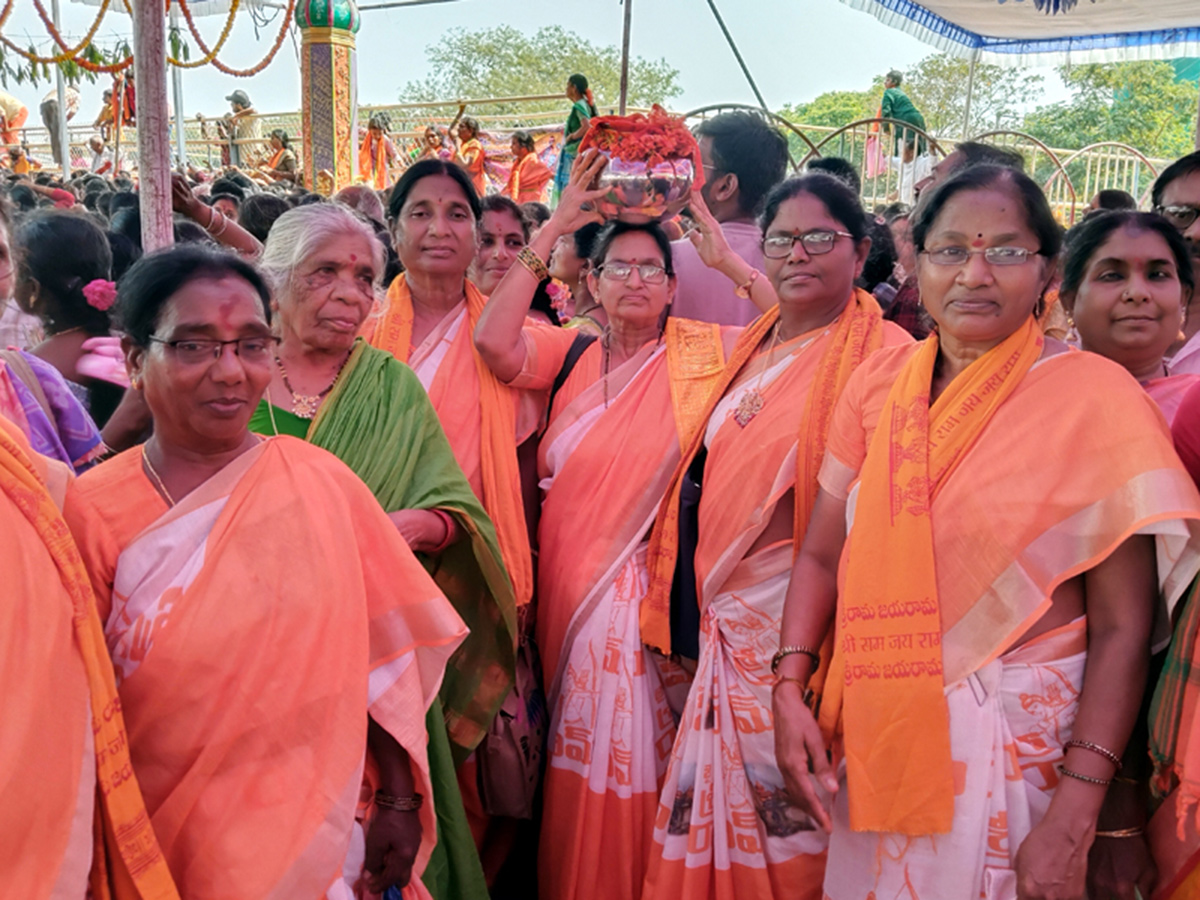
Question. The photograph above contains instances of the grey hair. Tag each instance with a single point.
(299, 232)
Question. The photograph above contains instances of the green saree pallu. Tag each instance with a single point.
(379, 421)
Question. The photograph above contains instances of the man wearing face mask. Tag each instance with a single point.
(743, 158)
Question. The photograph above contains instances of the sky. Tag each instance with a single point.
(796, 49)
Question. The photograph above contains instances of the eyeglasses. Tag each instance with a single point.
(194, 352)
(995, 256)
(815, 243)
(649, 273)
(1181, 215)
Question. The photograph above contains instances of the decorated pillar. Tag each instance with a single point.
(329, 94)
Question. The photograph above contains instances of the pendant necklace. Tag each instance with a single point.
(752, 401)
(306, 405)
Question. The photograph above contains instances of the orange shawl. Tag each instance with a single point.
(527, 184)
(612, 482)
(472, 157)
(858, 333)
(55, 651)
(255, 625)
(465, 387)
(997, 537)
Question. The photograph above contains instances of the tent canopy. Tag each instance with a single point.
(1047, 32)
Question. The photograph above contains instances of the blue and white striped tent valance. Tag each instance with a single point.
(1047, 32)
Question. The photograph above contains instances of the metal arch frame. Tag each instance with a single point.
(772, 116)
(1133, 151)
(1059, 166)
(934, 146)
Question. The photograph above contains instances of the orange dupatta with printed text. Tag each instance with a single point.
(498, 445)
(896, 721)
(858, 334)
(133, 867)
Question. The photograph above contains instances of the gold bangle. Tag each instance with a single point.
(1137, 831)
(533, 263)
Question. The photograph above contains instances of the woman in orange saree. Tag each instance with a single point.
(996, 591)
(1127, 280)
(377, 154)
(530, 176)
(470, 153)
(273, 635)
(618, 422)
(63, 751)
(724, 828)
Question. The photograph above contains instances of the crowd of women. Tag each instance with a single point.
(376, 579)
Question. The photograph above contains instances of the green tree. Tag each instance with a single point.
(937, 85)
(1136, 103)
(505, 62)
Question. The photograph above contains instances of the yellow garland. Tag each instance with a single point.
(69, 53)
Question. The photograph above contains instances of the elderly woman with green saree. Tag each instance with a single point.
(333, 389)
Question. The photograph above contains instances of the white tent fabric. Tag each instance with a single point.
(197, 7)
(1018, 32)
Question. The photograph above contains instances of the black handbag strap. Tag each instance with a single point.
(574, 352)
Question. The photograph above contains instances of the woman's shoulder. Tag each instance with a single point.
(896, 336)
(119, 476)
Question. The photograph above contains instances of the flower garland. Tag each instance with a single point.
(239, 73)
(210, 54)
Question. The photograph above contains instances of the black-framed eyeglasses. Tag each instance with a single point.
(995, 256)
(196, 351)
(1181, 215)
(617, 271)
(815, 243)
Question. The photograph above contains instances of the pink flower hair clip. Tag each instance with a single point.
(100, 294)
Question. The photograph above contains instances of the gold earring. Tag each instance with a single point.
(1072, 332)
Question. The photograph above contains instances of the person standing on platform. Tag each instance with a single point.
(897, 105)
(49, 113)
(13, 114)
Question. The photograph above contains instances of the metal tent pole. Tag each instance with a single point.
(966, 129)
(64, 144)
(625, 54)
(177, 91)
(737, 54)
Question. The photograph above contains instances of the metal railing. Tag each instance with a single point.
(1070, 177)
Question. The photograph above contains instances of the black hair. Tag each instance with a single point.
(895, 76)
(895, 211)
(63, 252)
(124, 200)
(538, 214)
(381, 121)
(282, 135)
(1038, 215)
(542, 303)
(212, 199)
(423, 169)
(837, 197)
(472, 123)
(614, 230)
(1181, 168)
(309, 197)
(157, 277)
(881, 258)
(226, 185)
(500, 203)
(977, 154)
(188, 232)
(23, 198)
(1088, 236)
(1111, 199)
(580, 83)
(838, 168)
(124, 253)
(747, 145)
(128, 222)
(523, 138)
(259, 213)
(585, 239)
(242, 181)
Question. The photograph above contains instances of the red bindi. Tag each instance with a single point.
(978, 242)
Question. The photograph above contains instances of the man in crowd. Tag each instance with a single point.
(49, 113)
(897, 105)
(1176, 197)
(13, 114)
(242, 128)
(743, 156)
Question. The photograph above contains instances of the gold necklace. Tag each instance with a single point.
(306, 405)
(162, 488)
(753, 401)
(605, 340)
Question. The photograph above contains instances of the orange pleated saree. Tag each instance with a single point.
(966, 517)
(724, 828)
(605, 467)
(72, 807)
(253, 627)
